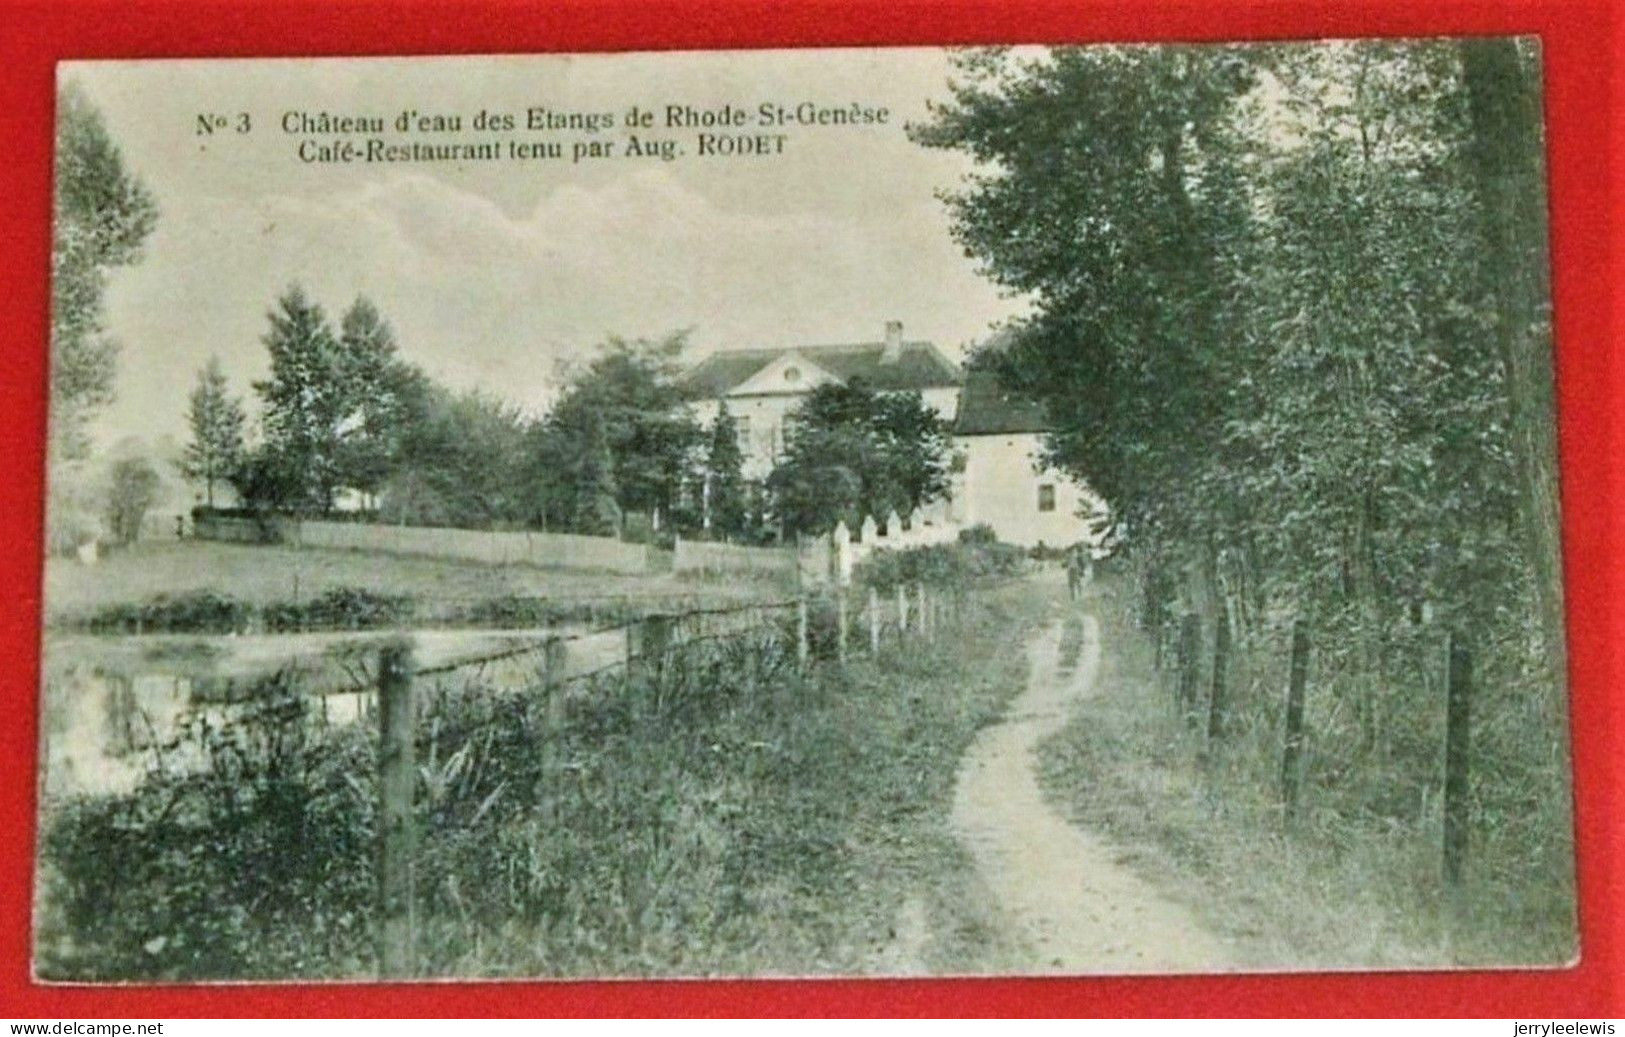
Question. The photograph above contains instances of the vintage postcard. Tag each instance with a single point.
(835, 512)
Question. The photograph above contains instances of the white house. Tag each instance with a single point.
(998, 437)
(762, 386)
(1003, 482)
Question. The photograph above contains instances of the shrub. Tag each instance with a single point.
(340, 608)
(518, 610)
(942, 565)
(204, 874)
(722, 812)
(200, 612)
(980, 534)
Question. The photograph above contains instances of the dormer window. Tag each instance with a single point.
(792, 374)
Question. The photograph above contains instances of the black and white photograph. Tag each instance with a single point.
(1070, 511)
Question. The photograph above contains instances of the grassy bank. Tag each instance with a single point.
(271, 574)
(1339, 888)
(733, 817)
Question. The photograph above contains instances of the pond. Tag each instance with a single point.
(111, 705)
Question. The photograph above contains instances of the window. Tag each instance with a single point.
(792, 374)
(1046, 497)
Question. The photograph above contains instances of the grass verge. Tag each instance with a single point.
(734, 817)
(271, 574)
(1331, 892)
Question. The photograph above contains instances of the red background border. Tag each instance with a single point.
(1580, 44)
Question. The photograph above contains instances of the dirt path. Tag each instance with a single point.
(1060, 887)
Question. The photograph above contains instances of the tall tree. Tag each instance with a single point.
(373, 386)
(594, 488)
(850, 451)
(1503, 155)
(216, 420)
(457, 459)
(134, 489)
(102, 216)
(628, 395)
(1289, 315)
(306, 398)
(724, 491)
(1263, 280)
(1109, 192)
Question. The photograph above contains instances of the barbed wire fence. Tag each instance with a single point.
(414, 702)
(809, 630)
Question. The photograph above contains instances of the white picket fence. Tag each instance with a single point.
(829, 558)
(819, 560)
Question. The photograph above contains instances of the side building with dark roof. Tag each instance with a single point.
(1002, 482)
(762, 386)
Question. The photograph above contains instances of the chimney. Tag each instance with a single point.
(893, 351)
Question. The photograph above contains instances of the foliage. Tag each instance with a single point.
(617, 440)
(344, 411)
(594, 490)
(340, 608)
(335, 404)
(956, 566)
(851, 451)
(207, 612)
(304, 402)
(134, 489)
(725, 493)
(978, 535)
(269, 480)
(457, 459)
(1355, 881)
(225, 859)
(216, 420)
(1290, 319)
(349, 608)
(379, 387)
(102, 215)
(196, 612)
(679, 823)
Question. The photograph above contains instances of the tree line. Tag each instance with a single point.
(1302, 346)
(618, 452)
(344, 415)
(1290, 317)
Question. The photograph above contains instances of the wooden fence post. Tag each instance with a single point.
(841, 621)
(902, 611)
(919, 610)
(874, 622)
(1292, 741)
(1216, 705)
(802, 647)
(1458, 742)
(1190, 636)
(397, 773)
(554, 654)
(648, 642)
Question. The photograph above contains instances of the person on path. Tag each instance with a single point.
(1078, 570)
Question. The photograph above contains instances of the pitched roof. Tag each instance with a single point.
(920, 366)
(986, 408)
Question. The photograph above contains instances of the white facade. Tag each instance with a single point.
(1004, 486)
(761, 404)
(999, 435)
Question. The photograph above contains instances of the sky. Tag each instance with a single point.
(492, 272)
